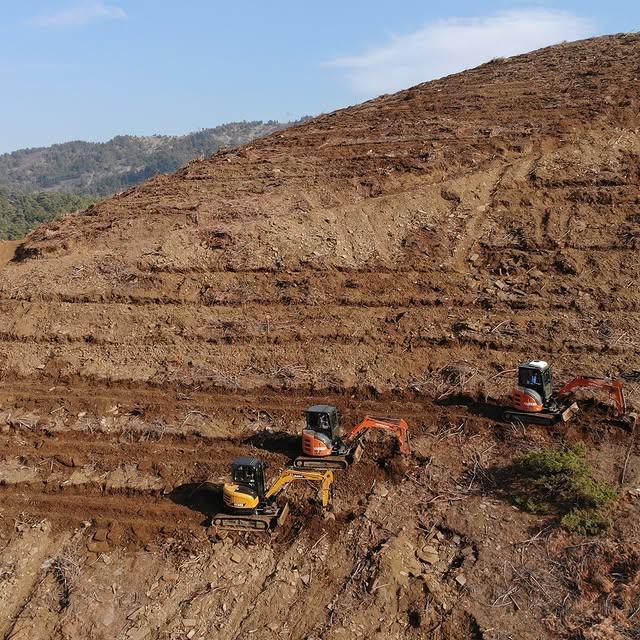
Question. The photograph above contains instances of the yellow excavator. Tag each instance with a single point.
(249, 506)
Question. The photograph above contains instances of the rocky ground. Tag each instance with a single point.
(399, 257)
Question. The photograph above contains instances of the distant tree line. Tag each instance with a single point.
(21, 212)
(39, 184)
(101, 169)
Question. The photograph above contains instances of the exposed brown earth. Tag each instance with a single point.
(7, 251)
(398, 257)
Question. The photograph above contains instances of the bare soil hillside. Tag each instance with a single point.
(7, 251)
(397, 257)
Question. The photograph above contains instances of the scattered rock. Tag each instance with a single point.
(237, 557)
(100, 535)
(116, 532)
(189, 623)
(428, 554)
(64, 460)
(98, 547)
(381, 490)
(141, 532)
(106, 615)
(169, 576)
(461, 580)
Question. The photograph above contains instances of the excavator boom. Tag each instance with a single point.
(292, 475)
(611, 385)
(397, 426)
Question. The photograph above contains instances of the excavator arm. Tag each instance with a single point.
(397, 426)
(292, 475)
(610, 385)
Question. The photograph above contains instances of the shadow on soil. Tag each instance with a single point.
(203, 497)
(277, 442)
(483, 409)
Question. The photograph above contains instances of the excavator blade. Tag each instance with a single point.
(323, 463)
(569, 412)
(283, 515)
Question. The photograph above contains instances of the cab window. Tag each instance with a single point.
(529, 377)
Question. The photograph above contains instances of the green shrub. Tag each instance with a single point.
(591, 493)
(585, 522)
(529, 504)
(551, 462)
(559, 480)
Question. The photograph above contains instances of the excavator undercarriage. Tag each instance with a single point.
(550, 415)
(341, 458)
(263, 519)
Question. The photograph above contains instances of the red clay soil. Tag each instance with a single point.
(399, 257)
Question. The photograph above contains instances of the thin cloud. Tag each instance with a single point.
(79, 14)
(448, 46)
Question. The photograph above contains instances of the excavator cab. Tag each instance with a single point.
(247, 489)
(536, 376)
(323, 419)
(321, 437)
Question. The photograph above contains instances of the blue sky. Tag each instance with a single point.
(92, 69)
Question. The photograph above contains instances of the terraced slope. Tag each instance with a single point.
(385, 257)
(486, 216)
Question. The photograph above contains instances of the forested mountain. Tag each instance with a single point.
(39, 184)
(102, 168)
(21, 212)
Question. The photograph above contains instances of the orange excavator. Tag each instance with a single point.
(533, 399)
(324, 446)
